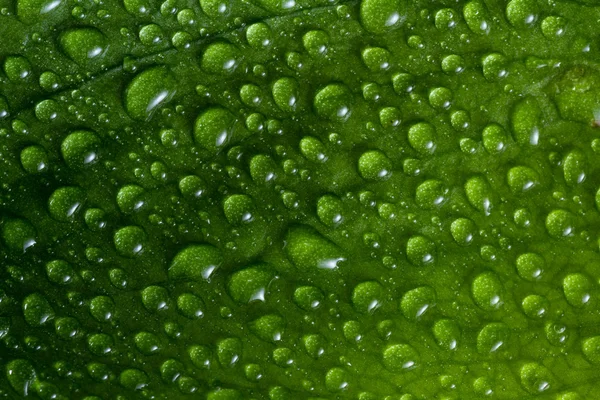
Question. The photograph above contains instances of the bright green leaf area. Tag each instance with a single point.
(299, 199)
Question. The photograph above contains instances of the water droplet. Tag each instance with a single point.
(417, 302)
(80, 149)
(37, 310)
(130, 241)
(374, 165)
(334, 102)
(84, 45)
(308, 249)
(380, 16)
(220, 58)
(148, 91)
(560, 223)
(577, 289)
(65, 202)
(487, 291)
(420, 251)
(213, 129)
(400, 358)
(250, 284)
(195, 263)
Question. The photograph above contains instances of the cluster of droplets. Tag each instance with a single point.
(375, 201)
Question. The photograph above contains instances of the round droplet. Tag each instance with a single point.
(463, 231)
(380, 16)
(314, 344)
(487, 291)
(421, 137)
(560, 224)
(17, 68)
(445, 19)
(453, 64)
(59, 272)
(337, 380)
(80, 149)
(440, 98)
(308, 297)
(129, 198)
(493, 338)
(374, 165)
(530, 266)
(102, 308)
(557, 333)
(263, 169)
(553, 27)
(147, 343)
(309, 250)
(477, 17)
(460, 120)
(525, 122)
(213, 129)
(216, 8)
(447, 333)
(315, 42)
(522, 13)
(367, 296)
(285, 94)
(151, 35)
(591, 349)
(330, 210)
(403, 83)
(400, 358)
(389, 117)
(522, 179)
(65, 202)
(251, 95)
(376, 59)
(49, 81)
(431, 194)
(19, 235)
(574, 166)
(47, 110)
(190, 306)
(195, 263)
(192, 187)
(420, 251)
(535, 306)
(494, 139)
(536, 378)
(130, 241)
(259, 35)
(66, 327)
(148, 91)
(220, 58)
(34, 159)
(268, 327)
(36, 310)
(479, 194)
(577, 289)
(229, 351)
(416, 302)
(249, 284)
(155, 298)
(238, 209)
(84, 45)
(133, 379)
(494, 66)
(313, 149)
(334, 102)
(21, 375)
(95, 219)
(200, 356)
